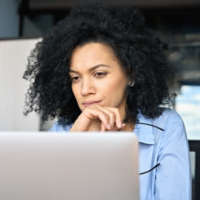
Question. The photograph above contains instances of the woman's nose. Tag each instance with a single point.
(87, 87)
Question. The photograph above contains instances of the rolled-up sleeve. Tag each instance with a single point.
(173, 177)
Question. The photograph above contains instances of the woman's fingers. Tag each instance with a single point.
(108, 119)
(103, 128)
(94, 113)
(111, 116)
(115, 119)
(117, 115)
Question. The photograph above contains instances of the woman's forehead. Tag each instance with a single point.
(92, 54)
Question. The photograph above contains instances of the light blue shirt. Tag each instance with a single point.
(171, 180)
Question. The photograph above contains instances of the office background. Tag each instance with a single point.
(23, 23)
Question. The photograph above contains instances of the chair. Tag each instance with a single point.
(195, 147)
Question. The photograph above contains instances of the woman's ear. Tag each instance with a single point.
(131, 79)
(131, 83)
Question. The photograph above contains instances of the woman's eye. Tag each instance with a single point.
(75, 79)
(100, 74)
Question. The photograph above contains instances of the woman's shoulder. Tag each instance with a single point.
(166, 117)
(167, 125)
(57, 127)
(172, 125)
(169, 112)
(169, 116)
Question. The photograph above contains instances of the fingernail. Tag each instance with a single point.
(119, 124)
(108, 126)
(123, 124)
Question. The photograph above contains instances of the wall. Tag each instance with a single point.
(9, 19)
(13, 54)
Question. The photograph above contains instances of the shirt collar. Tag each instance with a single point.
(144, 132)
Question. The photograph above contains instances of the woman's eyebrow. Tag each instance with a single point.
(91, 69)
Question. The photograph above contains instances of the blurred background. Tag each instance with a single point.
(23, 23)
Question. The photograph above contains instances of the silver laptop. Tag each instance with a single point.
(60, 166)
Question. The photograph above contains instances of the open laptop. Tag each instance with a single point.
(60, 166)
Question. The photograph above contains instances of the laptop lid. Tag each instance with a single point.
(57, 166)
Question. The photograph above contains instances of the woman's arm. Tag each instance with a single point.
(173, 177)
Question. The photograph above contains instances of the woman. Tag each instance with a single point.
(101, 69)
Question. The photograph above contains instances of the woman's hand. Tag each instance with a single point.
(98, 118)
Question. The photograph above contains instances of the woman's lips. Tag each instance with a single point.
(89, 103)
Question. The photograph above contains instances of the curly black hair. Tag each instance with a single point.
(139, 50)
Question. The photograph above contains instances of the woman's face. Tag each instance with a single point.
(97, 77)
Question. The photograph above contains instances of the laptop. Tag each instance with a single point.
(74, 166)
